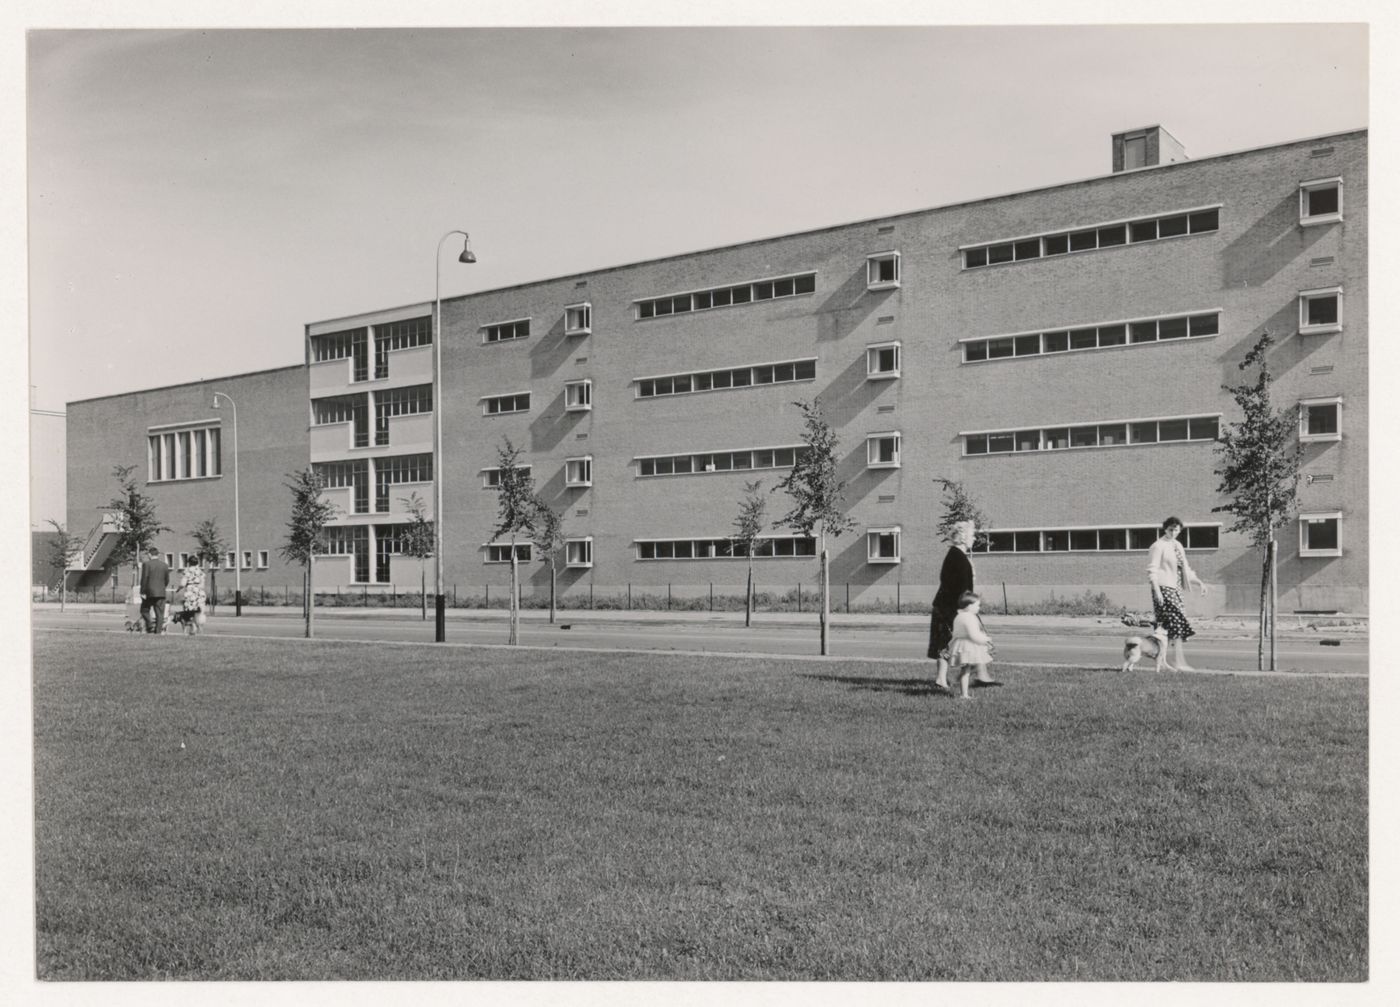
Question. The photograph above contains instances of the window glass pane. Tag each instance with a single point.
(681, 304)
(1027, 541)
(1172, 430)
(663, 307)
(974, 257)
(1055, 438)
(719, 298)
(683, 550)
(1083, 339)
(782, 372)
(1171, 328)
(1134, 152)
(782, 288)
(1001, 541)
(1205, 325)
(1113, 538)
(1084, 539)
(763, 459)
(1027, 345)
(741, 378)
(805, 284)
(1205, 428)
(701, 382)
(723, 379)
(646, 550)
(681, 383)
(647, 466)
(1141, 538)
(975, 351)
(763, 375)
(805, 370)
(1143, 230)
(997, 348)
(1000, 253)
(783, 457)
(743, 460)
(1028, 249)
(1054, 342)
(762, 291)
(701, 300)
(976, 444)
(1082, 240)
(742, 295)
(1143, 433)
(1203, 537)
(664, 466)
(1322, 201)
(1113, 335)
(1113, 433)
(1028, 440)
(1057, 244)
(1321, 534)
(1001, 442)
(682, 464)
(1115, 235)
(1322, 310)
(1169, 227)
(1056, 541)
(1322, 419)
(1205, 220)
(1084, 437)
(1143, 332)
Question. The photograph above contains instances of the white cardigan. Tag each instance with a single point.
(1164, 560)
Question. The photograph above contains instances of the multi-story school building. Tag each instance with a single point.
(1059, 351)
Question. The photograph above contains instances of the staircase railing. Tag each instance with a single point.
(107, 524)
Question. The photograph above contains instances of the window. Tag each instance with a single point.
(396, 470)
(765, 547)
(741, 459)
(1319, 311)
(352, 344)
(737, 377)
(882, 271)
(184, 560)
(247, 559)
(1134, 332)
(1320, 419)
(578, 471)
(491, 478)
(502, 332)
(723, 297)
(228, 560)
(1112, 434)
(578, 552)
(882, 361)
(1320, 534)
(170, 559)
(501, 553)
(412, 401)
(882, 545)
(185, 453)
(1115, 233)
(262, 559)
(1136, 538)
(496, 405)
(578, 319)
(882, 451)
(1320, 202)
(352, 474)
(399, 336)
(578, 395)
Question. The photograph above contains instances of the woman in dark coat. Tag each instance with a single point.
(953, 580)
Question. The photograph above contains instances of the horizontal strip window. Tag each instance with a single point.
(342, 540)
(502, 332)
(339, 345)
(1119, 433)
(405, 334)
(491, 478)
(729, 377)
(501, 553)
(723, 297)
(765, 547)
(1123, 232)
(495, 405)
(720, 461)
(1092, 337)
(192, 453)
(1110, 539)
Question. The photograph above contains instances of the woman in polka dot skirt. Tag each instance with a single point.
(1170, 574)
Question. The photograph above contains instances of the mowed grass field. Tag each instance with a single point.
(342, 811)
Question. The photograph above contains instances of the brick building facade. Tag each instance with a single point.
(1060, 351)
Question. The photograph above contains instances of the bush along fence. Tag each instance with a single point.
(649, 598)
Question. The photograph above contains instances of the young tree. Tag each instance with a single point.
(417, 541)
(136, 521)
(816, 495)
(311, 512)
(210, 547)
(515, 516)
(958, 506)
(753, 513)
(1259, 461)
(63, 550)
(549, 540)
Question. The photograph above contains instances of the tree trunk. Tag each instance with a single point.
(552, 576)
(748, 596)
(1263, 607)
(423, 588)
(826, 610)
(310, 595)
(1273, 603)
(514, 634)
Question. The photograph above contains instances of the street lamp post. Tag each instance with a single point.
(439, 599)
(237, 543)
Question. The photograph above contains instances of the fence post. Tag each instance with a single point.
(897, 608)
(668, 596)
(366, 595)
(488, 596)
(848, 597)
(629, 596)
(1005, 605)
(394, 595)
(590, 596)
(799, 596)
(712, 596)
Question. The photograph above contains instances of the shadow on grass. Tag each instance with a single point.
(902, 686)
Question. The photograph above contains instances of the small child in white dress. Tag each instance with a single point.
(971, 648)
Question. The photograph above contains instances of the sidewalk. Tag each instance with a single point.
(1224, 627)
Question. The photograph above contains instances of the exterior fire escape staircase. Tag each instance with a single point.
(89, 564)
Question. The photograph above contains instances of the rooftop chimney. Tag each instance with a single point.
(1145, 148)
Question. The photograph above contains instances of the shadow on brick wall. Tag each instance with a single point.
(1273, 242)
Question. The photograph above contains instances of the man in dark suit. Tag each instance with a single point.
(155, 577)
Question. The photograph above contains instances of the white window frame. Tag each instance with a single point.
(872, 360)
(1304, 188)
(247, 559)
(262, 559)
(184, 560)
(519, 546)
(1317, 517)
(170, 560)
(872, 541)
(1304, 405)
(872, 450)
(584, 552)
(585, 464)
(578, 396)
(513, 322)
(229, 559)
(872, 271)
(578, 319)
(1306, 296)
(486, 476)
(487, 399)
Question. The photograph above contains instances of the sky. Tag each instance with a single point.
(196, 196)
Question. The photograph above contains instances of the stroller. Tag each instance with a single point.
(133, 611)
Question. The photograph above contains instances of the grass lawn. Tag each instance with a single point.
(415, 812)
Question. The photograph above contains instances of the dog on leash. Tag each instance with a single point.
(1153, 647)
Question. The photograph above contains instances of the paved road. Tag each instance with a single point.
(906, 640)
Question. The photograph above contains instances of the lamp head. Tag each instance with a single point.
(216, 400)
(467, 255)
